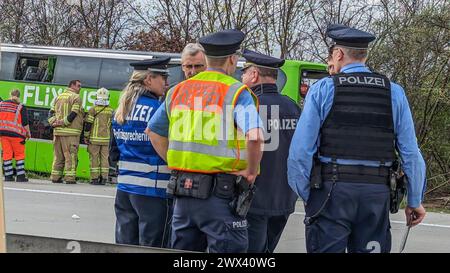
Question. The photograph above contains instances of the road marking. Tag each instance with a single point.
(62, 193)
(397, 222)
(113, 197)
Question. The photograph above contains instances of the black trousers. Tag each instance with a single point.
(264, 232)
(142, 220)
(355, 219)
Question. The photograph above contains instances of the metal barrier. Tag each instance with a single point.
(19, 243)
(2, 208)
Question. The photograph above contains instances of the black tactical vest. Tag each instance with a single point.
(360, 124)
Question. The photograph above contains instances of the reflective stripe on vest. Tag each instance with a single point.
(128, 167)
(205, 105)
(143, 182)
(142, 167)
(11, 118)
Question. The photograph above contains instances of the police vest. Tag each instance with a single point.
(11, 118)
(141, 170)
(360, 124)
(202, 133)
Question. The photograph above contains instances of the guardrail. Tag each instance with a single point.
(20, 243)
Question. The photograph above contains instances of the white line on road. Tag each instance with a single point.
(63, 193)
(112, 197)
(398, 222)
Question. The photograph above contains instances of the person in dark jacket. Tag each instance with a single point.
(274, 200)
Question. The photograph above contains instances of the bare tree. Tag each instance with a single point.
(50, 22)
(12, 25)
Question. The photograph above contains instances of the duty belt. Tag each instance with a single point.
(356, 174)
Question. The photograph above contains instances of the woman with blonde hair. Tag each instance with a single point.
(143, 211)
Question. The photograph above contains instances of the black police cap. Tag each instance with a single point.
(157, 65)
(222, 43)
(258, 59)
(349, 37)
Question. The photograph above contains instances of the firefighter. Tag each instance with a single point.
(97, 135)
(66, 117)
(14, 130)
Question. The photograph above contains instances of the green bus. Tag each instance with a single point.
(41, 73)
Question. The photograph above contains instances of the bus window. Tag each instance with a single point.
(48, 75)
(39, 126)
(176, 75)
(308, 78)
(281, 79)
(115, 74)
(8, 62)
(85, 69)
(31, 68)
(238, 74)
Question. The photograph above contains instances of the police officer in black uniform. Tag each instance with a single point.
(274, 200)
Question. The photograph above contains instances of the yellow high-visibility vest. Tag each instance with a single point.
(203, 136)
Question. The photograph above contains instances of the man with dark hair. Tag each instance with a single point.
(14, 130)
(274, 201)
(66, 117)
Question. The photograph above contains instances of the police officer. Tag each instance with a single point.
(97, 136)
(345, 141)
(14, 130)
(143, 211)
(274, 199)
(66, 117)
(195, 130)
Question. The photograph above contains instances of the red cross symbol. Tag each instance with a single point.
(188, 183)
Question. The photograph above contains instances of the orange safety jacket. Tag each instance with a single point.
(11, 118)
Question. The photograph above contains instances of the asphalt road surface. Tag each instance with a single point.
(86, 212)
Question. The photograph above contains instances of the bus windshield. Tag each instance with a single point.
(309, 77)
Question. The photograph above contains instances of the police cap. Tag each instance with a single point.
(156, 65)
(222, 43)
(349, 37)
(257, 59)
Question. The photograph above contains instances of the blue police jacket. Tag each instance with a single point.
(307, 135)
(141, 170)
(279, 114)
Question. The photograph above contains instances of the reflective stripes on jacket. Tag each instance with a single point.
(65, 103)
(141, 170)
(11, 118)
(202, 132)
(100, 117)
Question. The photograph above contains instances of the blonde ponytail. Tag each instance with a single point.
(134, 89)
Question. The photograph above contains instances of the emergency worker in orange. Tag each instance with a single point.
(14, 130)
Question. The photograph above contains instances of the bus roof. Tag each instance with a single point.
(87, 52)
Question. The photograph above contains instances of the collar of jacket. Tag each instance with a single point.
(68, 89)
(265, 88)
(12, 101)
(150, 94)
